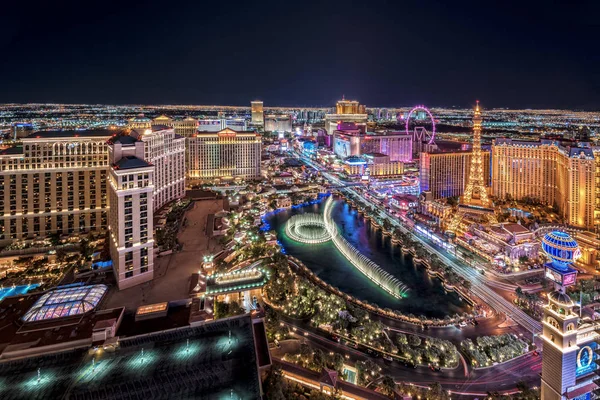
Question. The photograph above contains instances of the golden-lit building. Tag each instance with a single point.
(544, 170)
(375, 165)
(55, 182)
(140, 121)
(444, 174)
(162, 121)
(345, 111)
(596, 152)
(380, 165)
(258, 116)
(349, 107)
(589, 244)
(438, 209)
(186, 127)
(226, 154)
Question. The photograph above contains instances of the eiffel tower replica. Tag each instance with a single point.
(475, 198)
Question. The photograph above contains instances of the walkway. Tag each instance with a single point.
(172, 273)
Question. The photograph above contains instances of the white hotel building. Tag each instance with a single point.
(166, 151)
(131, 181)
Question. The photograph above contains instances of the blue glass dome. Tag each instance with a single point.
(561, 248)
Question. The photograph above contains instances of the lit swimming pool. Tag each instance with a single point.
(16, 290)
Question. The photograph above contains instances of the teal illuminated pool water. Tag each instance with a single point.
(17, 290)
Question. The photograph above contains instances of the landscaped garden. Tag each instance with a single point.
(427, 350)
(486, 351)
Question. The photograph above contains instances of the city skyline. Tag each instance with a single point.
(367, 200)
(254, 214)
(518, 56)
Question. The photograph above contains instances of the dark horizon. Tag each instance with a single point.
(526, 55)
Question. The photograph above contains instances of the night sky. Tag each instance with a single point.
(525, 54)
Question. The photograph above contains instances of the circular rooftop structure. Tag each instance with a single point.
(65, 302)
(561, 248)
(561, 298)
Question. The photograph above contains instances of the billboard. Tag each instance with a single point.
(586, 359)
(563, 278)
(341, 147)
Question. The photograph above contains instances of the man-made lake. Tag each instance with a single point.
(426, 295)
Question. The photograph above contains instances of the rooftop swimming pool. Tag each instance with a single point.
(16, 290)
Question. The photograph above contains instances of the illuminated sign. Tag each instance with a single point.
(563, 279)
(586, 357)
(553, 276)
(569, 279)
(586, 396)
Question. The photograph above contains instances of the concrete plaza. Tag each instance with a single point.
(172, 273)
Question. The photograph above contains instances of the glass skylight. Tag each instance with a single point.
(65, 302)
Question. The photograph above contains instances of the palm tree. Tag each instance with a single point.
(386, 225)
(387, 386)
(467, 285)
(519, 293)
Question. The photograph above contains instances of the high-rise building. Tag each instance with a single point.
(186, 127)
(345, 111)
(226, 154)
(278, 123)
(257, 113)
(596, 152)
(570, 342)
(553, 174)
(237, 124)
(166, 151)
(217, 124)
(333, 122)
(131, 181)
(21, 130)
(354, 141)
(445, 174)
(349, 107)
(55, 182)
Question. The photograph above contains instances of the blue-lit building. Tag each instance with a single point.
(309, 148)
(570, 341)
